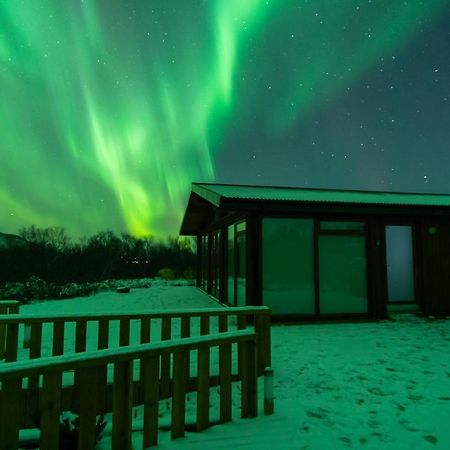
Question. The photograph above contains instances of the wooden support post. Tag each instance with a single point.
(10, 413)
(179, 395)
(262, 330)
(166, 333)
(88, 408)
(225, 382)
(203, 388)
(50, 410)
(124, 337)
(150, 386)
(58, 338)
(122, 405)
(249, 380)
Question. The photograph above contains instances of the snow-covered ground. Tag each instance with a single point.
(371, 385)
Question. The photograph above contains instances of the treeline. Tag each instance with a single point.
(51, 255)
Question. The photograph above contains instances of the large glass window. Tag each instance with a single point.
(342, 273)
(230, 263)
(236, 264)
(241, 267)
(204, 262)
(288, 265)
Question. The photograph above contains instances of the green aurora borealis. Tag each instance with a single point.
(110, 109)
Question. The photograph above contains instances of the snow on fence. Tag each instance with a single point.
(55, 335)
(6, 307)
(89, 367)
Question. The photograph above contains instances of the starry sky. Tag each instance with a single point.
(110, 109)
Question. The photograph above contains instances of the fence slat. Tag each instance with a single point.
(223, 324)
(145, 336)
(58, 338)
(185, 333)
(80, 336)
(241, 324)
(179, 395)
(124, 335)
(35, 352)
(10, 413)
(122, 405)
(12, 338)
(150, 379)
(249, 380)
(145, 330)
(102, 372)
(88, 407)
(203, 388)
(50, 410)
(166, 333)
(3, 310)
(103, 334)
(204, 325)
(225, 379)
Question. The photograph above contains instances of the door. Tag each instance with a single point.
(400, 264)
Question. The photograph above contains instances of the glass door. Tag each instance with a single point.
(400, 264)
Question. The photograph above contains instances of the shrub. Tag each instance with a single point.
(166, 273)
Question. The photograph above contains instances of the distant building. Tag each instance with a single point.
(316, 253)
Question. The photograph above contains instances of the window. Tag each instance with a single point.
(288, 265)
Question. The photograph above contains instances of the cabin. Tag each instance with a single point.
(319, 254)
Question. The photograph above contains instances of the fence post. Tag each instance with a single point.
(179, 395)
(225, 378)
(262, 330)
(122, 405)
(166, 333)
(203, 388)
(150, 386)
(50, 410)
(88, 407)
(10, 413)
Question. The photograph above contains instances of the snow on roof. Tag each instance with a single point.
(214, 193)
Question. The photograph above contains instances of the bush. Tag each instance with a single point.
(166, 273)
(69, 425)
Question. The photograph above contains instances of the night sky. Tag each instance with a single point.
(110, 109)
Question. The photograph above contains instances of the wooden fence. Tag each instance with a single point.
(156, 326)
(90, 366)
(6, 307)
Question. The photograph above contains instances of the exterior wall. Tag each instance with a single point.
(431, 252)
(435, 237)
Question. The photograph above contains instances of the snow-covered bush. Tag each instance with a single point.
(69, 425)
(166, 273)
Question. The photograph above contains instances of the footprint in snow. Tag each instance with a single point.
(432, 439)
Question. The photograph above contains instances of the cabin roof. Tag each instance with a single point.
(209, 195)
